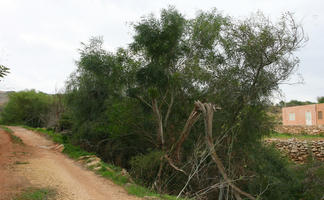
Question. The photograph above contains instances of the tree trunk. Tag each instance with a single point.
(159, 122)
(208, 112)
(193, 117)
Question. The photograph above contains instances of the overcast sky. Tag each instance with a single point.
(39, 38)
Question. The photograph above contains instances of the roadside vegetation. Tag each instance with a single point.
(109, 171)
(14, 138)
(297, 136)
(36, 194)
(299, 103)
(184, 108)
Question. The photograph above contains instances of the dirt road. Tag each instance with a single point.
(35, 164)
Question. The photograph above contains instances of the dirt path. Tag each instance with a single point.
(47, 168)
(10, 182)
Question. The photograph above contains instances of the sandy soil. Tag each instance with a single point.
(48, 168)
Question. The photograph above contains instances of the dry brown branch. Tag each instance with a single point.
(208, 112)
(193, 117)
(169, 110)
(173, 165)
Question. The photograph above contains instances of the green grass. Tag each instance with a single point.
(21, 162)
(114, 176)
(71, 150)
(14, 138)
(107, 170)
(142, 192)
(297, 136)
(74, 151)
(36, 194)
(56, 137)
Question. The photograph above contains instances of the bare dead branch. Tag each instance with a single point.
(208, 112)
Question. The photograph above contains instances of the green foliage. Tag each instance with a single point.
(27, 107)
(297, 103)
(65, 122)
(37, 194)
(4, 71)
(122, 105)
(115, 176)
(56, 137)
(145, 167)
(274, 178)
(74, 151)
(299, 136)
(139, 191)
(109, 171)
(320, 99)
(14, 138)
(313, 179)
(8, 130)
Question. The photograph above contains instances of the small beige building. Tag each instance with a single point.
(309, 115)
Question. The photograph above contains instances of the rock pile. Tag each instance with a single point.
(310, 130)
(299, 150)
(93, 162)
(90, 161)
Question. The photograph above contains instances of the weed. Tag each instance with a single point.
(74, 151)
(139, 191)
(37, 194)
(14, 138)
(56, 137)
(21, 162)
(297, 136)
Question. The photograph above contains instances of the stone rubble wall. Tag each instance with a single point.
(310, 130)
(299, 150)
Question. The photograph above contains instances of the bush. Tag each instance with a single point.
(274, 176)
(312, 174)
(145, 167)
(27, 108)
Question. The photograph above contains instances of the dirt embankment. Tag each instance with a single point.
(36, 165)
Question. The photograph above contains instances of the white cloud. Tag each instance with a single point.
(44, 40)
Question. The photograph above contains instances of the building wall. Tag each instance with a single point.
(320, 107)
(299, 111)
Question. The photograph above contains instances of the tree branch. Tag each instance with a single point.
(208, 111)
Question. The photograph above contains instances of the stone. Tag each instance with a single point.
(59, 148)
(151, 198)
(93, 163)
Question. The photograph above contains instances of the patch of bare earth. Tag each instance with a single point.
(11, 182)
(47, 168)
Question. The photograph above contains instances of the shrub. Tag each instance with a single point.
(27, 107)
(274, 176)
(145, 167)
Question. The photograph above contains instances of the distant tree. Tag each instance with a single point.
(320, 99)
(27, 107)
(281, 104)
(297, 103)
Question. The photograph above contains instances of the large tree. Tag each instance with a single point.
(235, 64)
(145, 101)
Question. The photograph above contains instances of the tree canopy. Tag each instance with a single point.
(146, 94)
(320, 99)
